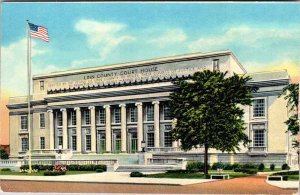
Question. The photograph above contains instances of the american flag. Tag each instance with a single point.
(39, 32)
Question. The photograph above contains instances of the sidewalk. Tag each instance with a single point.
(106, 177)
(284, 184)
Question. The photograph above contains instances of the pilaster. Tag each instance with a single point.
(93, 129)
(123, 128)
(139, 106)
(156, 124)
(107, 128)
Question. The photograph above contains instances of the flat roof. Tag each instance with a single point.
(137, 63)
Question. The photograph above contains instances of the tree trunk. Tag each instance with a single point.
(205, 159)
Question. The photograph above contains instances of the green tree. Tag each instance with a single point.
(4, 154)
(207, 111)
(291, 94)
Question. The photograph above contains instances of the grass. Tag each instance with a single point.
(269, 170)
(292, 175)
(41, 173)
(197, 175)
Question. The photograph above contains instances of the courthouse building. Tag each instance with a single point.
(113, 109)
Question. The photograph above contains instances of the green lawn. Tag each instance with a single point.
(269, 170)
(41, 173)
(292, 175)
(195, 175)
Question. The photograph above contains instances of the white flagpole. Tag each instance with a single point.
(28, 98)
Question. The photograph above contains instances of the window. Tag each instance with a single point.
(216, 66)
(101, 116)
(42, 87)
(167, 113)
(42, 142)
(74, 143)
(149, 113)
(133, 114)
(168, 139)
(24, 122)
(73, 118)
(258, 135)
(150, 139)
(60, 140)
(24, 144)
(259, 108)
(42, 120)
(88, 142)
(87, 117)
(59, 119)
(117, 115)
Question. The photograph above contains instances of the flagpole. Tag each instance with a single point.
(28, 98)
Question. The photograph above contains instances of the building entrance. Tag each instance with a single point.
(101, 143)
(116, 146)
(132, 141)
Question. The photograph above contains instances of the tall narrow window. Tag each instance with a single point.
(88, 143)
(42, 85)
(87, 117)
(150, 139)
(168, 139)
(73, 118)
(101, 116)
(59, 119)
(24, 122)
(149, 113)
(259, 108)
(133, 114)
(259, 131)
(42, 142)
(42, 120)
(167, 113)
(60, 140)
(216, 66)
(24, 144)
(117, 115)
(74, 143)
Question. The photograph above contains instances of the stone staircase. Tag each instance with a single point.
(123, 159)
(147, 168)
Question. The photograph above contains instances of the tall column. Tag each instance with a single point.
(78, 128)
(156, 124)
(123, 128)
(174, 143)
(51, 129)
(93, 129)
(64, 128)
(107, 128)
(139, 106)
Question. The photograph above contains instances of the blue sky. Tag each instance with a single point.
(262, 36)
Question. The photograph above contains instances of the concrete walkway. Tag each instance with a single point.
(106, 177)
(284, 184)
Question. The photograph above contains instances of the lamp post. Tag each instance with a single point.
(143, 144)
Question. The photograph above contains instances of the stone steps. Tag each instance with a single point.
(146, 168)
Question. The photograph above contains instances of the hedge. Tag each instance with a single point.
(195, 166)
(74, 167)
(136, 174)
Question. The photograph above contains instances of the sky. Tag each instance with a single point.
(263, 37)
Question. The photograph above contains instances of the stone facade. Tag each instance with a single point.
(112, 109)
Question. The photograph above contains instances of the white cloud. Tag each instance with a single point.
(249, 36)
(14, 65)
(104, 35)
(169, 37)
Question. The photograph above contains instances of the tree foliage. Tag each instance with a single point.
(291, 94)
(208, 111)
(4, 154)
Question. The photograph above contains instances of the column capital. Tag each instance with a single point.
(50, 111)
(155, 102)
(106, 106)
(63, 109)
(77, 108)
(91, 107)
(122, 105)
(138, 104)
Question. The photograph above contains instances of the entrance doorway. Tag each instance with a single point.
(116, 142)
(101, 143)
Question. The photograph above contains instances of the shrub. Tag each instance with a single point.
(24, 167)
(249, 166)
(287, 173)
(261, 167)
(194, 166)
(177, 171)
(272, 167)
(217, 165)
(235, 165)
(285, 167)
(250, 171)
(3, 154)
(99, 170)
(136, 174)
(60, 168)
(54, 173)
(227, 166)
(6, 169)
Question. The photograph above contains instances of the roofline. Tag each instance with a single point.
(137, 64)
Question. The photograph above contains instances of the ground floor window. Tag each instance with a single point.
(150, 139)
(88, 143)
(60, 141)
(168, 139)
(42, 142)
(74, 143)
(259, 131)
(24, 144)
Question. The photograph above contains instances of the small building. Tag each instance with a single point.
(112, 109)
